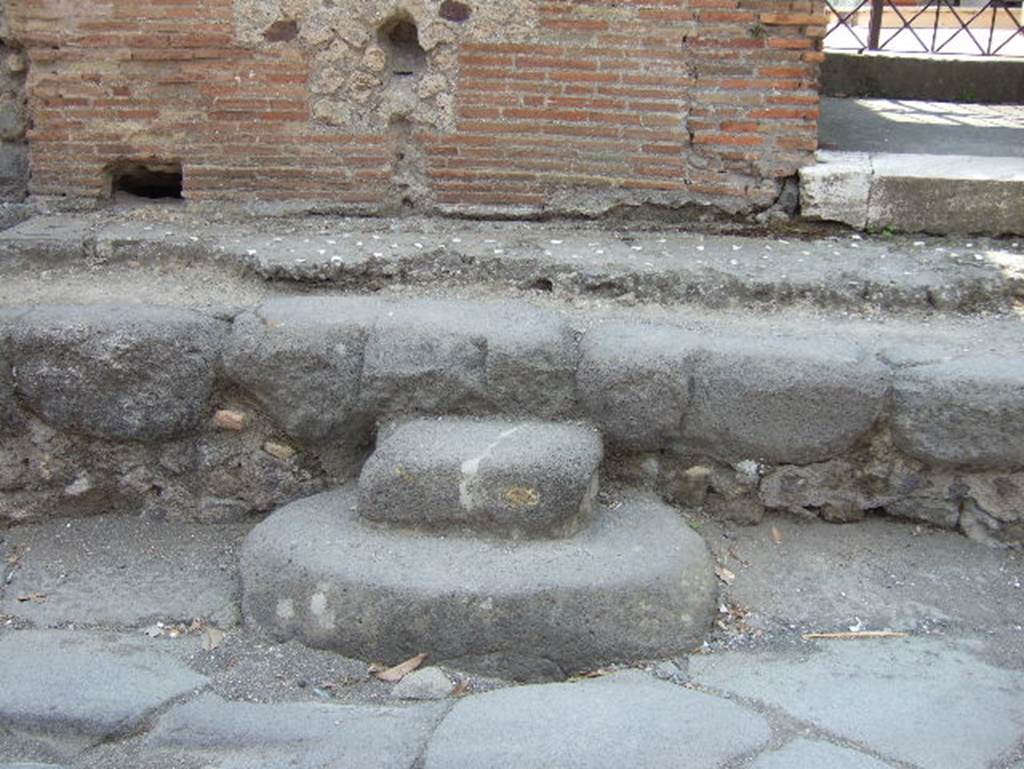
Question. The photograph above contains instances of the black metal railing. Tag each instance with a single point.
(978, 27)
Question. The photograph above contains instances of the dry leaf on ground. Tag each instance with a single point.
(395, 674)
(725, 575)
(776, 535)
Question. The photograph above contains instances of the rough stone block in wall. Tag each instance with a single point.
(326, 368)
(966, 412)
(484, 106)
(785, 400)
(13, 117)
(125, 373)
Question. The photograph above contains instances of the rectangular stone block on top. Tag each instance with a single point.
(515, 479)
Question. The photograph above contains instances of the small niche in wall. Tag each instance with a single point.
(153, 179)
(400, 38)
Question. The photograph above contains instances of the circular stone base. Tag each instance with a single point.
(636, 584)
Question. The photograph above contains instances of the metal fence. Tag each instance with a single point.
(962, 27)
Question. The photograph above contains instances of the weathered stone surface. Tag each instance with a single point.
(626, 719)
(633, 381)
(437, 357)
(325, 367)
(801, 753)
(837, 188)
(13, 170)
(826, 488)
(511, 478)
(67, 684)
(123, 372)
(906, 699)
(993, 509)
(962, 194)
(966, 412)
(303, 357)
(783, 400)
(114, 570)
(791, 400)
(635, 584)
(315, 735)
(9, 417)
(426, 684)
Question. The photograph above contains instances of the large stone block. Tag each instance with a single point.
(121, 372)
(511, 478)
(635, 584)
(634, 381)
(787, 400)
(325, 368)
(302, 358)
(783, 400)
(436, 356)
(967, 412)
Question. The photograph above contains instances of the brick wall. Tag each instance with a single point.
(527, 105)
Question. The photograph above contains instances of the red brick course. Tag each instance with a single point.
(667, 101)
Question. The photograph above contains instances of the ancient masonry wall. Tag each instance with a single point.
(479, 106)
(178, 414)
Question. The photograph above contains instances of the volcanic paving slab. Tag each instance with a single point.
(627, 719)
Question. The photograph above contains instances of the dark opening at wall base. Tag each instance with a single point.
(147, 179)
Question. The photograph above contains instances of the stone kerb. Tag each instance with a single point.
(318, 373)
(772, 400)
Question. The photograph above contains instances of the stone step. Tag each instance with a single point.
(843, 271)
(635, 584)
(913, 192)
(516, 479)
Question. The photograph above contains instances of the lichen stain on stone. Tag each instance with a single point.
(520, 496)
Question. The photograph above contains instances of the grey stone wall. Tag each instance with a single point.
(181, 415)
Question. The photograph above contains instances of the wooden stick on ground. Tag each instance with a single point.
(853, 634)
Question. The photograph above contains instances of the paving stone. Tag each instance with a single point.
(511, 478)
(308, 735)
(635, 584)
(427, 684)
(113, 570)
(634, 380)
(123, 372)
(809, 754)
(66, 683)
(626, 719)
(33, 766)
(303, 357)
(783, 400)
(921, 701)
(968, 411)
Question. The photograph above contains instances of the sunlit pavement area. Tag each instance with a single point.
(924, 127)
